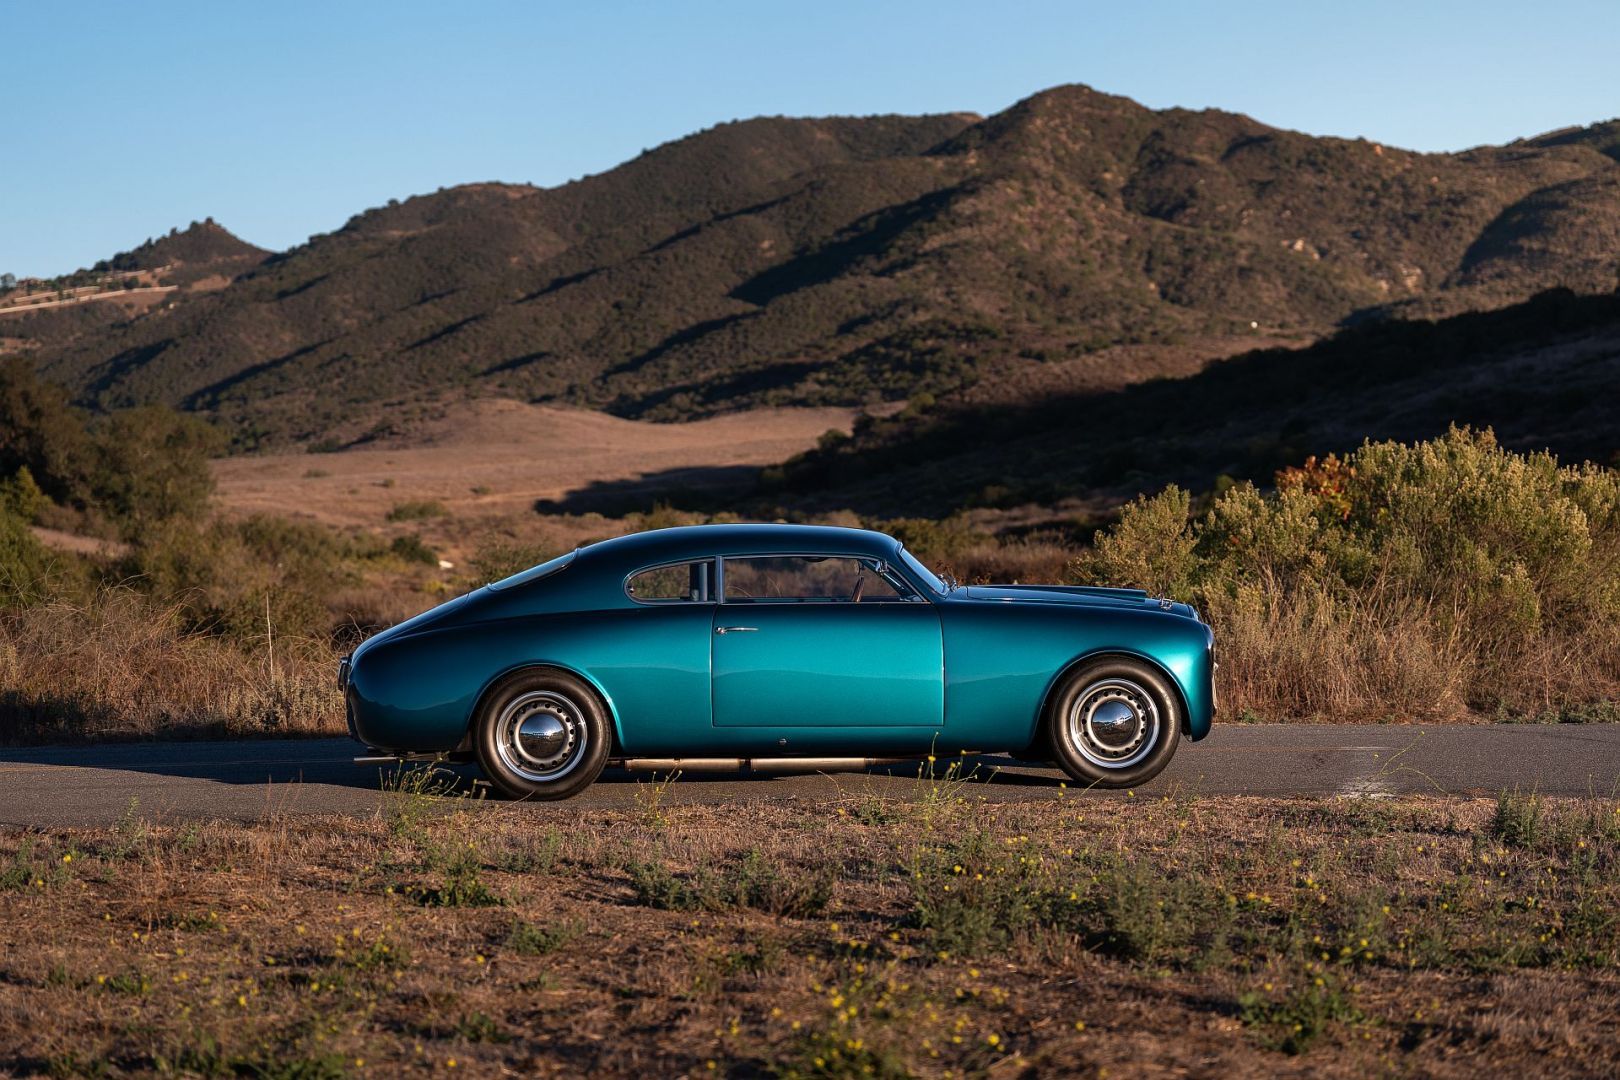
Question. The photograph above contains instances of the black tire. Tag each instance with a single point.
(1113, 722)
(565, 735)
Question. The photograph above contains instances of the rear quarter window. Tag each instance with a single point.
(686, 582)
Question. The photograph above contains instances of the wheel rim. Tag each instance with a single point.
(541, 736)
(1114, 723)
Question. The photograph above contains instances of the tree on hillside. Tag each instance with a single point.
(154, 466)
(137, 467)
(41, 432)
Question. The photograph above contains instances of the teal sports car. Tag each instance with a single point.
(777, 648)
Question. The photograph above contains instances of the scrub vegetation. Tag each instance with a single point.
(1400, 581)
(1079, 936)
(1444, 580)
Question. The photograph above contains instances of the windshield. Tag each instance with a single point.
(535, 573)
(923, 574)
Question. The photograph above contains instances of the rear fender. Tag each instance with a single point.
(597, 688)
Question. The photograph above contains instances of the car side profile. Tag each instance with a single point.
(778, 648)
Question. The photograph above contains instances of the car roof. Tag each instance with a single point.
(702, 541)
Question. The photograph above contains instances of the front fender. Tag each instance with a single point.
(1003, 660)
(1197, 709)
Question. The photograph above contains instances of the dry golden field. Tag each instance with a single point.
(492, 459)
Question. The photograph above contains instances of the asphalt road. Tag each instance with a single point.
(251, 780)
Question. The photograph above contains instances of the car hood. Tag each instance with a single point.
(1077, 595)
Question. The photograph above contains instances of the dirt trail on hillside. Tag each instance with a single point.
(494, 458)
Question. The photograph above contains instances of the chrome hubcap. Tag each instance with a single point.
(540, 735)
(1114, 723)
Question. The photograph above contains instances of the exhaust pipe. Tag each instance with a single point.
(761, 765)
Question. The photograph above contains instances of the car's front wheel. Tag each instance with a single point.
(1113, 722)
(542, 734)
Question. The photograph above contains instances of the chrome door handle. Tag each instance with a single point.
(735, 629)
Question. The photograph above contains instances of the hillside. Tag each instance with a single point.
(1541, 373)
(851, 260)
(88, 305)
(203, 245)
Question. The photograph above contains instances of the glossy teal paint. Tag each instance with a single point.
(651, 667)
(966, 670)
(828, 665)
(1004, 656)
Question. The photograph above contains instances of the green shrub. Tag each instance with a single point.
(41, 432)
(971, 899)
(461, 885)
(28, 571)
(533, 939)
(21, 496)
(1517, 820)
(655, 886)
(1151, 546)
(417, 510)
(756, 881)
(532, 853)
(1416, 580)
(751, 880)
(412, 549)
(1295, 1019)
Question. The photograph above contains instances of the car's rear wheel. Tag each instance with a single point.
(1113, 722)
(542, 734)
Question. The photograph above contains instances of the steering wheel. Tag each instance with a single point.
(860, 587)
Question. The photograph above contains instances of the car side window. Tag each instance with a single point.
(786, 579)
(688, 582)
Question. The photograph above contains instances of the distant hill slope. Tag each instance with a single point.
(203, 257)
(843, 261)
(203, 247)
(1541, 373)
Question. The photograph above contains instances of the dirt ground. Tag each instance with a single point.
(845, 937)
(493, 459)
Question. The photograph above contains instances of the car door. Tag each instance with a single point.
(823, 641)
(652, 659)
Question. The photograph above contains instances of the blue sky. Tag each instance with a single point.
(281, 120)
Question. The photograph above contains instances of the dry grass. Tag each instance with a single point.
(1298, 655)
(1303, 655)
(1022, 560)
(120, 667)
(1072, 937)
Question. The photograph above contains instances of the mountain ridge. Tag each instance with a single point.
(848, 261)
